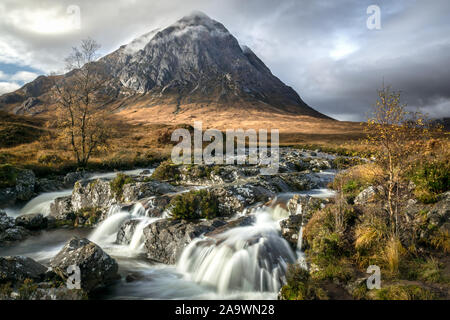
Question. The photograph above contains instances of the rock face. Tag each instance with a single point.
(97, 268)
(18, 268)
(165, 239)
(92, 194)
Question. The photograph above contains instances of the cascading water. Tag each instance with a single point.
(247, 258)
(105, 234)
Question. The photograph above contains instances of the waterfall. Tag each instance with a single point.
(247, 258)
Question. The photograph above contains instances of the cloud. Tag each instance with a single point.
(6, 87)
(322, 49)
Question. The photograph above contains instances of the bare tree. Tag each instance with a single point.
(81, 121)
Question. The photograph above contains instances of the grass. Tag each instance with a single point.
(403, 292)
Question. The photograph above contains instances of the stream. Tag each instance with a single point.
(246, 262)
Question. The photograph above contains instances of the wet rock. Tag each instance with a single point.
(72, 177)
(97, 268)
(240, 222)
(14, 234)
(19, 188)
(61, 207)
(16, 269)
(92, 194)
(126, 231)
(5, 221)
(165, 239)
(155, 206)
(49, 185)
(135, 191)
(235, 198)
(300, 208)
(290, 229)
(25, 182)
(33, 221)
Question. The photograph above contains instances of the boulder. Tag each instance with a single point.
(165, 239)
(97, 268)
(5, 221)
(126, 231)
(34, 221)
(16, 233)
(440, 212)
(25, 182)
(18, 268)
(61, 207)
(135, 191)
(235, 198)
(72, 177)
(49, 185)
(368, 195)
(93, 194)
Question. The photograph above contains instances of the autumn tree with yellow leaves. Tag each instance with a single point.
(396, 134)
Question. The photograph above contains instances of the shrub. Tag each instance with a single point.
(431, 179)
(46, 158)
(166, 171)
(300, 286)
(8, 175)
(27, 289)
(118, 182)
(194, 205)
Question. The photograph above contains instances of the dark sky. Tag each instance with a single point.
(323, 49)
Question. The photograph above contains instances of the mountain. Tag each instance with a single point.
(194, 66)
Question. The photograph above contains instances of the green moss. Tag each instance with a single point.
(118, 182)
(166, 171)
(194, 205)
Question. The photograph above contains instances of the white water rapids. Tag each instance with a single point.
(246, 262)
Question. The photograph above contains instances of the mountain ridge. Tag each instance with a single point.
(195, 61)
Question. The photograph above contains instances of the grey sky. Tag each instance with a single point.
(322, 49)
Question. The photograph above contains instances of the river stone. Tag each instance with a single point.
(33, 221)
(25, 182)
(15, 233)
(135, 191)
(97, 268)
(165, 239)
(72, 177)
(18, 268)
(92, 194)
(61, 207)
(5, 221)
